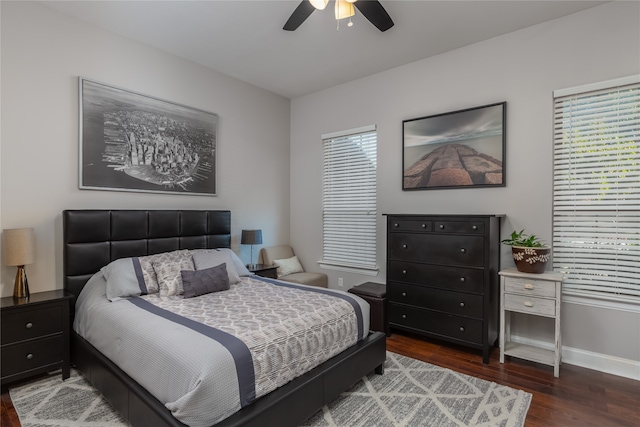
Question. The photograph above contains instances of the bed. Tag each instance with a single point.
(94, 238)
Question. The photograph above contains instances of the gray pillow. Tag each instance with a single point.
(200, 282)
(124, 279)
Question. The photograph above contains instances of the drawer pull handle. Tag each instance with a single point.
(461, 328)
(396, 225)
(462, 304)
(29, 325)
(404, 271)
(404, 294)
(424, 225)
(29, 356)
(528, 286)
(475, 227)
(404, 316)
(462, 279)
(404, 246)
(441, 226)
(528, 304)
(463, 250)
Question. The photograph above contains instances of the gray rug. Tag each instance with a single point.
(410, 393)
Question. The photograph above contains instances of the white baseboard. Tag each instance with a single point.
(587, 359)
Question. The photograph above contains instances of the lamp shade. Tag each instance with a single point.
(251, 237)
(19, 246)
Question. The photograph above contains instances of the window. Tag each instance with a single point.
(349, 200)
(596, 197)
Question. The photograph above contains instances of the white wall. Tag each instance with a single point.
(522, 68)
(43, 53)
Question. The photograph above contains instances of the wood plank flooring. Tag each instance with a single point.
(580, 397)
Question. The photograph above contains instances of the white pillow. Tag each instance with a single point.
(288, 266)
(207, 258)
(169, 275)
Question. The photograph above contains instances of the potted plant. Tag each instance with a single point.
(529, 253)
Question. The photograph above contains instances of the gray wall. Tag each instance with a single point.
(522, 68)
(43, 53)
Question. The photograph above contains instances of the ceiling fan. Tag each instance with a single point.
(371, 9)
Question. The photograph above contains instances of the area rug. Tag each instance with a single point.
(410, 393)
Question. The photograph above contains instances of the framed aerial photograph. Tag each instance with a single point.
(135, 142)
(459, 149)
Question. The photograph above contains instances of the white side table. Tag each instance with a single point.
(533, 294)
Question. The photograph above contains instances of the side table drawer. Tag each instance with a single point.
(541, 288)
(531, 305)
(28, 324)
(30, 355)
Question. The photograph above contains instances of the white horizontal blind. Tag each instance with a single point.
(596, 203)
(349, 200)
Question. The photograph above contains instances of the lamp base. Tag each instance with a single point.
(21, 286)
(252, 266)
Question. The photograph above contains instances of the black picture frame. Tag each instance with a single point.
(457, 149)
(134, 142)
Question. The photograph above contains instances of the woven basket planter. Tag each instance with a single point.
(531, 260)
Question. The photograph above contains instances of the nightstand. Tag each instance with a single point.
(35, 335)
(263, 270)
(532, 294)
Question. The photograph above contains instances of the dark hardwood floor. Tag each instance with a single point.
(580, 397)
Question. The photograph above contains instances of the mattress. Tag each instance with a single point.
(207, 357)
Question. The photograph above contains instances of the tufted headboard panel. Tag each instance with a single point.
(94, 238)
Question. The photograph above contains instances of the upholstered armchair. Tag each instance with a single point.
(289, 268)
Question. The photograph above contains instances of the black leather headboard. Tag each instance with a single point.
(94, 238)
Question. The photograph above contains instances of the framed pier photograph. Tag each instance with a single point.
(459, 149)
(135, 142)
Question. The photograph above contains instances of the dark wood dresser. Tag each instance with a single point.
(442, 277)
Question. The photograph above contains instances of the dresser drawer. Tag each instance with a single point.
(31, 355)
(437, 323)
(27, 324)
(399, 225)
(531, 305)
(436, 276)
(457, 303)
(437, 249)
(541, 288)
(470, 227)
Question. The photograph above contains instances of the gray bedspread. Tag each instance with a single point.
(207, 357)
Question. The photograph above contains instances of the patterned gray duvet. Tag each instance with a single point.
(207, 357)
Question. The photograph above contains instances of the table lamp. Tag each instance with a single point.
(19, 249)
(251, 237)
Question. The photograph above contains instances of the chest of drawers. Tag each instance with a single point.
(442, 277)
(35, 335)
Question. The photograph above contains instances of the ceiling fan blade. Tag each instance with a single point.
(302, 12)
(374, 12)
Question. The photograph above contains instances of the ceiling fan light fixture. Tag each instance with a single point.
(344, 9)
(319, 4)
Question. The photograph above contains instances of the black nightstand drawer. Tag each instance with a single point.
(437, 323)
(17, 358)
(437, 276)
(28, 324)
(458, 303)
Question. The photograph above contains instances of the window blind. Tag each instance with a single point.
(596, 198)
(350, 199)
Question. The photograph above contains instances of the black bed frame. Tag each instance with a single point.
(93, 238)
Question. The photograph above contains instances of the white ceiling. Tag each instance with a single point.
(244, 39)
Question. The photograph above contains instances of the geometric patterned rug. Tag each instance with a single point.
(410, 393)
